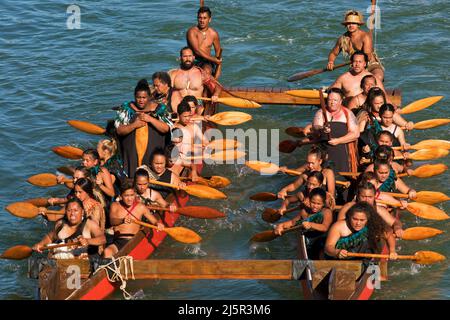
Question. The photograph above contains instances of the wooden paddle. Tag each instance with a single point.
(200, 212)
(420, 233)
(264, 196)
(217, 182)
(270, 235)
(422, 210)
(272, 168)
(273, 215)
(428, 197)
(416, 233)
(180, 234)
(428, 144)
(420, 104)
(296, 132)
(428, 124)
(87, 127)
(195, 190)
(307, 74)
(38, 202)
(288, 146)
(68, 170)
(28, 210)
(424, 171)
(420, 257)
(305, 93)
(220, 156)
(224, 144)
(427, 170)
(46, 180)
(235, 102)
(68, 152)
(228, 118)
(425, 154)
(21, 252)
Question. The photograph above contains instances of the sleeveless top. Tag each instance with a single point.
(389, 184)
(355, 242)
(73, 237)
(165, 177)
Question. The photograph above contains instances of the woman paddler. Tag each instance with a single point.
(75, 226)
(315, 220)
(387, 180)
(314, 162)
(140, 129)
(110, 159)
(360, 232)
(314, 180)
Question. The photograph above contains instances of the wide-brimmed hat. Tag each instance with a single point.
(353, 16)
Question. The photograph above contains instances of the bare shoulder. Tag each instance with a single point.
(328, 172)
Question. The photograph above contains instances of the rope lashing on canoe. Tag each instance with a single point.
(113, 273)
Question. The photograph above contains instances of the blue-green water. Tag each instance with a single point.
(51, 74)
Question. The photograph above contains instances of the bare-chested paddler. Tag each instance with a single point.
(350, 82)
(356, 39)
(121, 215)
(189, 80)
(201, 38)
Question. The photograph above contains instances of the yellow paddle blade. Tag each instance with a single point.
(420, 104)
(184, 235)
(227, 155)
(23, 210)
(426, 211)
(428, 257)
(429, 170)
(224, 144)
(141, 140)
(263, 167)
(239, 103)
(230, 118)
(305, 93)
(68, 152)
(218, 182)
(432, 123)
(430, 144)
(87, 127)
(428, 154)
(17, 253)
(431, 197)
(43, 180)
(420, 233)
(204, 192)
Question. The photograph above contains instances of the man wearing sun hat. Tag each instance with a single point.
(353, 40)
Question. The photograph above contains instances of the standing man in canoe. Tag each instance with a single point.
(190, 80)
(338, 125)
(350, 82)
(354, 40)
(201, 38)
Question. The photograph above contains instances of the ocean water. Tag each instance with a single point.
(51, 74)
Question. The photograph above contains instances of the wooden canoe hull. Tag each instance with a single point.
(271, 95)
(341, 283)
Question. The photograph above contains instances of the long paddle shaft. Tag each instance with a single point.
(22, 252)
(420, 257)
(178, 233)
(307, 74)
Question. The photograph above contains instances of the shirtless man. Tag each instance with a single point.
(353, 40)
(201, 38)
(189, 79)
(350, 82)
(122, 214)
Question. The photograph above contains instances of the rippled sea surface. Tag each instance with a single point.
(50, 74)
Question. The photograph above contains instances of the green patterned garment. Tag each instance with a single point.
(353, 240)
